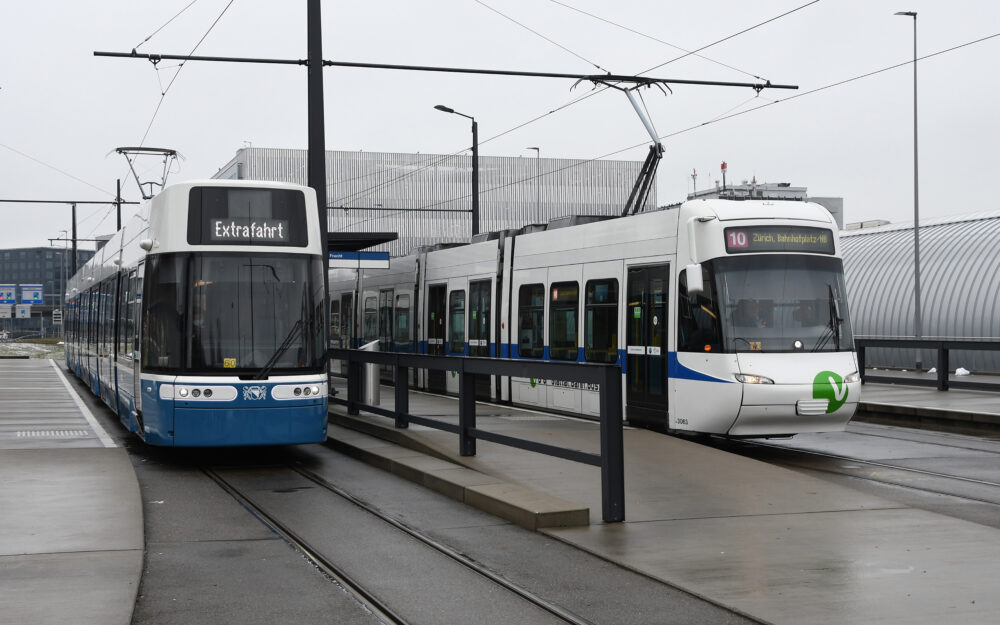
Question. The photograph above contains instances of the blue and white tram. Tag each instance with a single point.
(201, 322)
(726, 317)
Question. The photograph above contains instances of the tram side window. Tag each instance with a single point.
(401, 334)
(531, 320)
(456, 322)
(371, 319)
(698, 327)
(600, 342)
(162, 341)
(563, 314)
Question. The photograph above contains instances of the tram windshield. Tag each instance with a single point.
(770, 303)
(233, 313)
(783, 303)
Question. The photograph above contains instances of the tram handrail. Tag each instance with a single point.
(941, 345)
(611, 460)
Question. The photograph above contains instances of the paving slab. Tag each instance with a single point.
(71, 525)
(766, 541)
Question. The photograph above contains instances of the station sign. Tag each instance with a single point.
(8, 293)
(359, 260)
(32, 294)
(6, 311)
(22, 311)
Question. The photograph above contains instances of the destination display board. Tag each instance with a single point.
(8, 293)
(247, 216)
(32, 294)
(748, 239)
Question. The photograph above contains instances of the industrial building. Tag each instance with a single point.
(959, 283)
(427, 198)
(47, 266)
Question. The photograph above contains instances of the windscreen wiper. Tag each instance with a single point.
(833, 328)
(285, 344)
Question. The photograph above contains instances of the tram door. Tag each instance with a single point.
(646, 335)
(437, 311)
(479, 330)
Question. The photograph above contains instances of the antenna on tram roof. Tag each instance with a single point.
(132, 154)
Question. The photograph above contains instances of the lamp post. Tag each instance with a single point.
(538, 183)
(475, 165)
(917, 329)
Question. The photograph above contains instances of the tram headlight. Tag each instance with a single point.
(851, 378)
(746, 378)
(196, 393)
(183, 392)
(315, 390)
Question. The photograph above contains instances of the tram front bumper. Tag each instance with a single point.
(781, 409)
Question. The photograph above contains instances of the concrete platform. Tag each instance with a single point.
(960, 410)
(71, 533)
(765, 541)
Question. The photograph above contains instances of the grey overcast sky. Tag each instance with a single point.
(62, 110)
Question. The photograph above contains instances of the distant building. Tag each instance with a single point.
(773, 191)
(427, 198)
(47, 266)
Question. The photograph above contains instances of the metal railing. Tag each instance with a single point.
(611, 460)
(941, 346)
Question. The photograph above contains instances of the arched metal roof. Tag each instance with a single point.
(959, 284)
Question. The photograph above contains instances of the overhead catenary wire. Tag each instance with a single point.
(598, 89)
(180, 67)
(167, 23)
(710, 122)
(535, 32)
(734, 35)
(652, 38)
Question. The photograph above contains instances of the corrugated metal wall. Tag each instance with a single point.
(959, 285)
(426, 198)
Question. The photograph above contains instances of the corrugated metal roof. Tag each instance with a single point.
(959, 284)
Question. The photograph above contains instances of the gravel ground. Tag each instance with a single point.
(32, 350)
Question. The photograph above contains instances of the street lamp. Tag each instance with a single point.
(538, 184)
(917, 329)
(475, 165)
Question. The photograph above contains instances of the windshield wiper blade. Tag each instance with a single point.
(285, 344)
(833, 328)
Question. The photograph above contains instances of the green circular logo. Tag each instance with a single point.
(830, 386)
(533, 383)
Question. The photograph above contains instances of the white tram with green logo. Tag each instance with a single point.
(726, 317)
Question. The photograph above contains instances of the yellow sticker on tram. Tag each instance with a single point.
(229, 363)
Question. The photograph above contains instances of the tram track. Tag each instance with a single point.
(342, 577)
(882, 472)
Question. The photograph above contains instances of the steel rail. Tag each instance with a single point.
(884, 465)
(464, 560)
(331, 570)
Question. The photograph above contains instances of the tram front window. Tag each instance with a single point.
(783, 303)
(244, 312)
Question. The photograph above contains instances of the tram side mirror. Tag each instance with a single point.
(695, 284)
